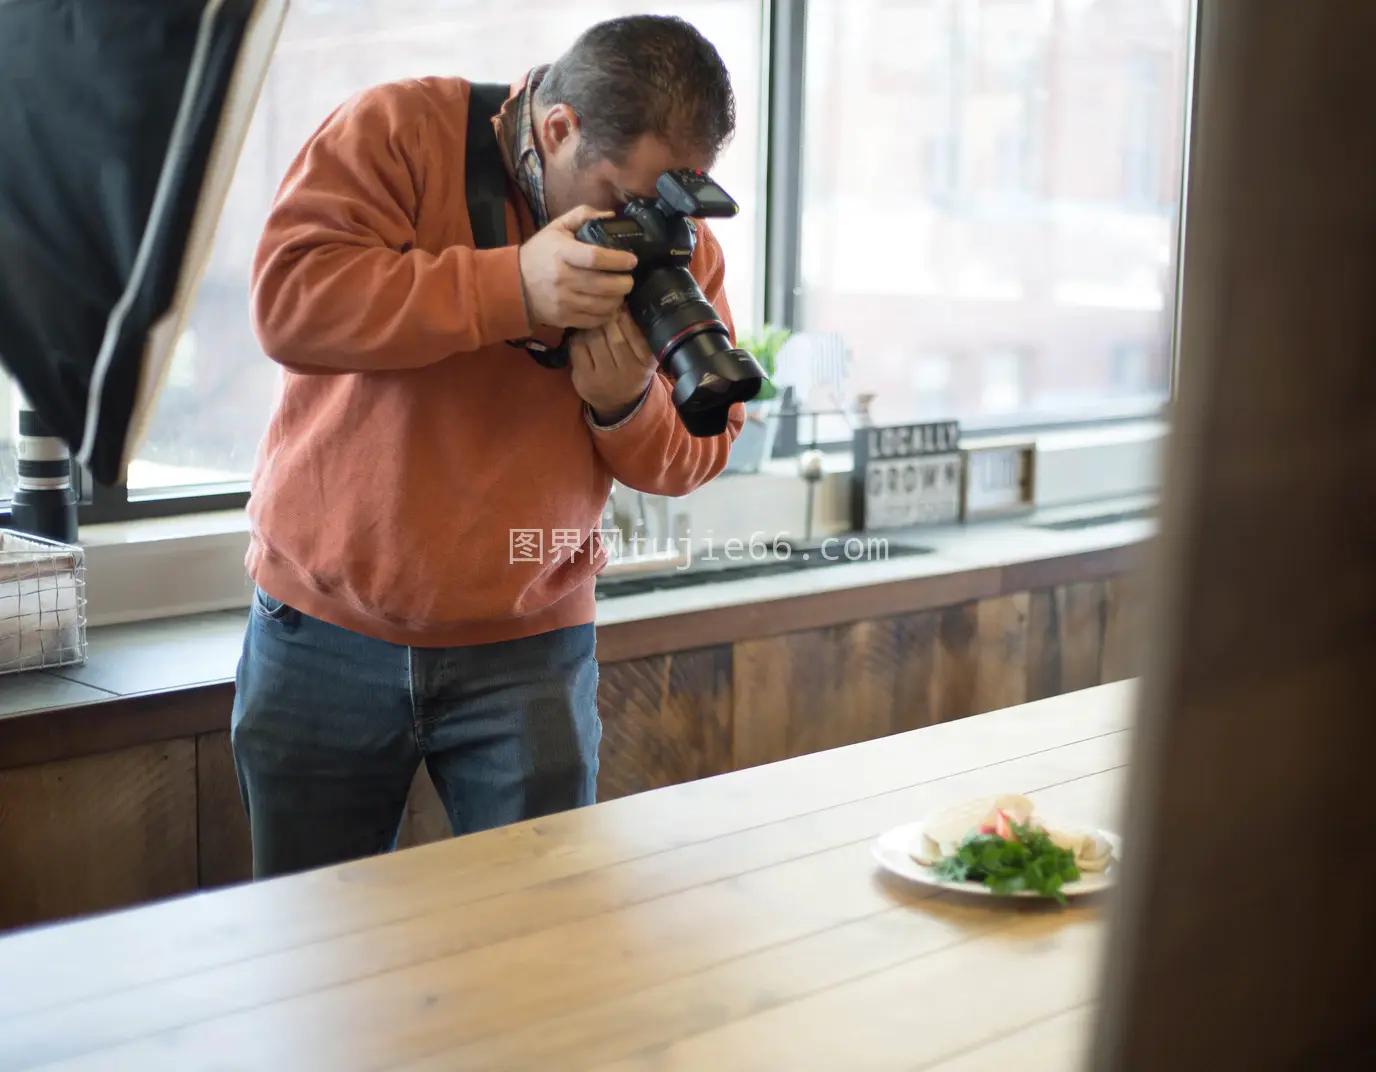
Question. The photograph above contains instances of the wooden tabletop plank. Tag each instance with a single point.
(582, 928)
(915, 924)
(77, 1027)
(1058, 1044)
(912, 1015)
(176, 938)
(617, 1027)
(448, 1001)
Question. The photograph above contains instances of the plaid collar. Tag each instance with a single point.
(517, 129)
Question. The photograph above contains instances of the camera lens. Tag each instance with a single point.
(669, 308)
(694, 348)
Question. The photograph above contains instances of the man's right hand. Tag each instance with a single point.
(571, 284)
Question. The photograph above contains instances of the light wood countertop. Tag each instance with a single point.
(732, 923)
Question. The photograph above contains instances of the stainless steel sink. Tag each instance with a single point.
(747, 566)
(1095, 520)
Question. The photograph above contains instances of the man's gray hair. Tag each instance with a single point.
(643, 74)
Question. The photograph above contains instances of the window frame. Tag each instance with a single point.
(111, 505)
(778, 275)
(99, 505)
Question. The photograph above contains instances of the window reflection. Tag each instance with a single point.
(997, 180)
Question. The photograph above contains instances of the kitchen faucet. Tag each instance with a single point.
(634, 522)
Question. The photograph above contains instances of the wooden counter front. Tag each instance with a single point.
(82, 785)
(736, 922)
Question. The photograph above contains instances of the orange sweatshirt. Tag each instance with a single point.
(410, 444)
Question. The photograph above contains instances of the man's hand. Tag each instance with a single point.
(612, 368)
(571, 284)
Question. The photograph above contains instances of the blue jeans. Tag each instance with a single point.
(329, 728)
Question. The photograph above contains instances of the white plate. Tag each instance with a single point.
(894, 853)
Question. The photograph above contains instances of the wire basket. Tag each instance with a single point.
(42, 603)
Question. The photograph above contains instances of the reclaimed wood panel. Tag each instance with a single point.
(97, 833)
(915, 677)
(1067, 635)
(675, 718)
(806, 691)
(666, 719)
(981, 657)
(953, 682)
(1083, 616)
(1000, 653)
(224, 849)
(1043, 645)
(826, 688)
(1125, 612)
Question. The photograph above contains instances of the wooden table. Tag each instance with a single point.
(731, 923)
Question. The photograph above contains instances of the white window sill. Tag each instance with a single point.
(166, 567)
(143, 570)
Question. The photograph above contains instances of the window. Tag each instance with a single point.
(220, 391)
(1003, 385)
(1130, 368)
(1144, 119)
(1040, 215)
(932, 381)
(985, 210)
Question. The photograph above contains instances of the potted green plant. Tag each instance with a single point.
(756, 440)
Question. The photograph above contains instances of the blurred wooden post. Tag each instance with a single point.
(1244, 937)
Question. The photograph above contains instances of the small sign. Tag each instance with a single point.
(999, 480)
(907, 475)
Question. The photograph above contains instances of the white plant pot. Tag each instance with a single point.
(755, 444)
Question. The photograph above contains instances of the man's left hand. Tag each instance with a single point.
(612, 367)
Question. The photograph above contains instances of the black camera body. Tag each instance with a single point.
(682, 328)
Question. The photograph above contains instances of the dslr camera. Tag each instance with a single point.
(683, 330)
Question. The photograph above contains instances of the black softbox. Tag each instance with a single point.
(120, 124)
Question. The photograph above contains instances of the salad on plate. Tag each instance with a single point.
(1002, 844)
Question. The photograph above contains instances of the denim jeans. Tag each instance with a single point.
(329, 728)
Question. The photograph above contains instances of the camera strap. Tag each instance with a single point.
(485, 188)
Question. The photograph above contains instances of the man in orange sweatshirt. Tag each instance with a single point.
(427, 497)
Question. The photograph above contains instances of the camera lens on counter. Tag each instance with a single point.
(44, 502)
